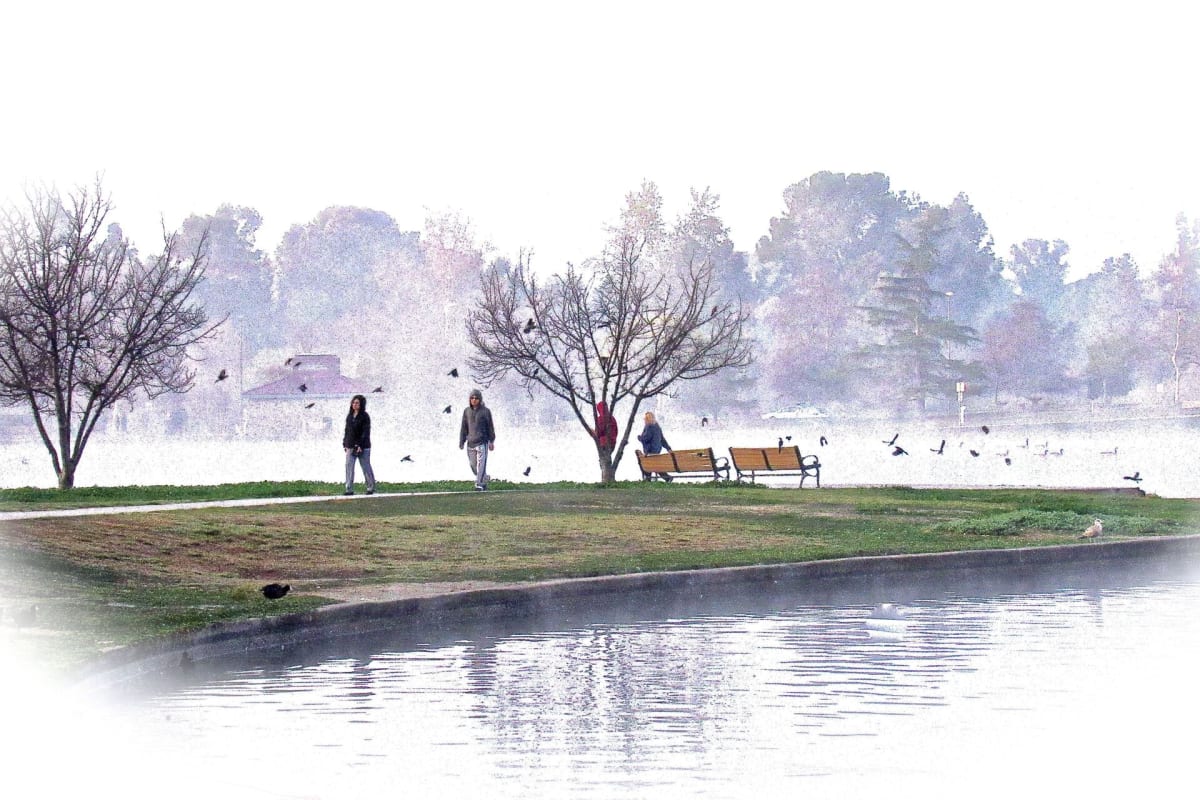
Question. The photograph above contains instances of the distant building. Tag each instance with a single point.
(306, 400)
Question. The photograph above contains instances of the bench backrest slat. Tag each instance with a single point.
(748, 459)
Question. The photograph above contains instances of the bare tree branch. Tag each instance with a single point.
(622, 334)
(84, 323)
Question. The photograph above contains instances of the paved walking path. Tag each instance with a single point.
(249, 501)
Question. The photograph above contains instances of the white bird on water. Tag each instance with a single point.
(1093, 530)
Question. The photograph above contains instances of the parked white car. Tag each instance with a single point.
(796, 412)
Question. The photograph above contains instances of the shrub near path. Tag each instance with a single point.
(112, 579)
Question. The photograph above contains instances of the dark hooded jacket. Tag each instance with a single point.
(477, 427)
(358, 427)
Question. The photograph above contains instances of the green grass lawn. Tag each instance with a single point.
(112, 579)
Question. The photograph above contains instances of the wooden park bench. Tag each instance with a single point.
(694, 463)
(755, 461)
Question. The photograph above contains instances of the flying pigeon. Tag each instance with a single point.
(222, 375)
(893, 441)
(526, 472)
(1135, 477)
(899, 451)
(406, 458)
(274, 591)
(940, 448)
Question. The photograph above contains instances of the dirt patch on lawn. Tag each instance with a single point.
(369, 593)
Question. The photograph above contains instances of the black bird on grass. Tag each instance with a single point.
(222, 375)
(1135, 477)
(274, 591)
(940, 448)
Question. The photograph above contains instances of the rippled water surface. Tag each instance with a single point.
(1071, 690)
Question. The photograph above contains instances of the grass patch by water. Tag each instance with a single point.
(111, 579)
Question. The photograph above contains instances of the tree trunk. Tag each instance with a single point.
(66, 476)
(608, 472)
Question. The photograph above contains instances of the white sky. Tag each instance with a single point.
(534, 119)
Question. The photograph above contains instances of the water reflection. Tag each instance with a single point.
(1030, 689)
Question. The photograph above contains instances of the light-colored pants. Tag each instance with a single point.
(477, 457)
(363, 458)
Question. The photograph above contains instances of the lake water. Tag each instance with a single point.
(1163, 452)
(1062, 685)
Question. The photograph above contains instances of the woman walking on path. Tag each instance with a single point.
(356, 441)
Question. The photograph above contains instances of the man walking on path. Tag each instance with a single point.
(479, 435)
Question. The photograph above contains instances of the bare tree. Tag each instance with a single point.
(623, 334)
(84, 322)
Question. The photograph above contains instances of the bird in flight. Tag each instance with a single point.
(703, 421)
(453, 373)
(526, 472)
(975, 453)
(940, 448)
(893, 440)
(446, 410)
(985, 429)
(899, 451)
(406, 458)
(222, 375)
(274, 591)
(377, 389)
(823, 441)
(310, 405)
(529, 326)
(1135, 477)
(304, 387)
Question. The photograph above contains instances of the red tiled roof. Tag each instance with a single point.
(318, 374)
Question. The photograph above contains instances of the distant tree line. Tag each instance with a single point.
(857, 294)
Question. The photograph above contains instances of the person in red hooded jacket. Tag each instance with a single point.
(606, 427)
